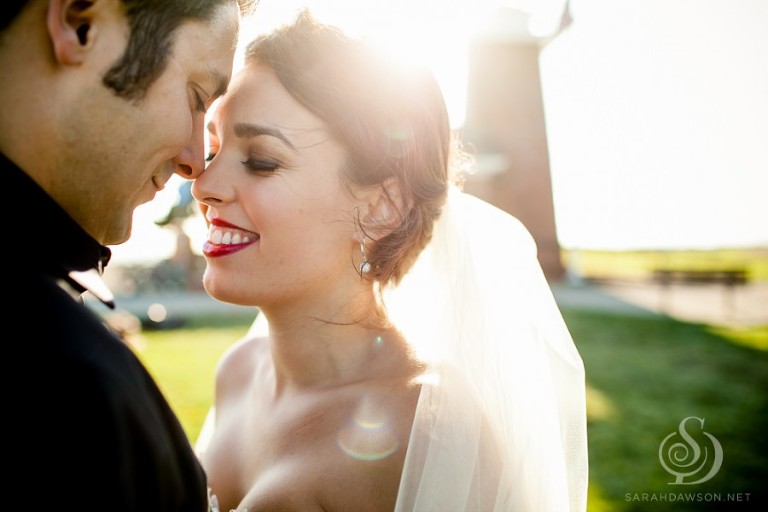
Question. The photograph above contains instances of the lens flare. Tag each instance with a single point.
(368, 436)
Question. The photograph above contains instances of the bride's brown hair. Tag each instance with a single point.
(391, 119)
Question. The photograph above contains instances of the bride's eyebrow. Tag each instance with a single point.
(247, 130)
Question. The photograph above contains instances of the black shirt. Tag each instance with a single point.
(89, 428)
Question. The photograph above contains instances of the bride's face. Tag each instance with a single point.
(281, 223)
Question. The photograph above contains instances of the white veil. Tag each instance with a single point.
(501, 420)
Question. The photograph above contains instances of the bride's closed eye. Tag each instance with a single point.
(256, 164)
(260, 165)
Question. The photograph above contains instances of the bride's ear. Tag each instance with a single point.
(385, 210)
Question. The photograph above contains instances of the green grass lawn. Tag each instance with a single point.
(644, 376)
(183, 362)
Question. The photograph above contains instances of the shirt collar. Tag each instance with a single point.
(66, 250)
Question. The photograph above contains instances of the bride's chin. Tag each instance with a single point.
(214, 288)
(224, 293)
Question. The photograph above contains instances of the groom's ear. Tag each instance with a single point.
(72, 27)
(385, 210)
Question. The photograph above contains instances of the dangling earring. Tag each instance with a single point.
(365, 265)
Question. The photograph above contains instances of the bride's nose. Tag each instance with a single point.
(211, 187)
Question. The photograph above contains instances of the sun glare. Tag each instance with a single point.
(431, 31)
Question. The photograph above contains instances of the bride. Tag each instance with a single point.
(408, 355)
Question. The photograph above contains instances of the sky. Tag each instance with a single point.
(656, 110)
(657, 124)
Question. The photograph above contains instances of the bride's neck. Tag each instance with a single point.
(330, 349)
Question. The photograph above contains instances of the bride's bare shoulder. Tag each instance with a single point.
(237, 365)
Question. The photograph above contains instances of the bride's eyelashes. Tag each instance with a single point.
(260, 165)
(253, 164)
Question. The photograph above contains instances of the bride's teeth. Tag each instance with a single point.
(219, 236)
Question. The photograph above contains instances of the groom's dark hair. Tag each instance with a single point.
(152, 24)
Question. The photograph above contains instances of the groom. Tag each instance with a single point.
(101, 102)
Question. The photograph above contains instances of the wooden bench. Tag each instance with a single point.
(728, 277)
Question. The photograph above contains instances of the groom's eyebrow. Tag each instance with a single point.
(221, 84)
(247, 130)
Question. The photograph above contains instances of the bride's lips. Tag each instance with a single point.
(225, 238)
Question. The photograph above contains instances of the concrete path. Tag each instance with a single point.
(738, 306)
(587, 296)
(170, 306)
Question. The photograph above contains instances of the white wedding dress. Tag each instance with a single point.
(501, 420)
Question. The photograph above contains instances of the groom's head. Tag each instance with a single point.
(103, 100)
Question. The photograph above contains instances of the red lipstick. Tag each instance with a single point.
(224, 224)
(214, 249)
